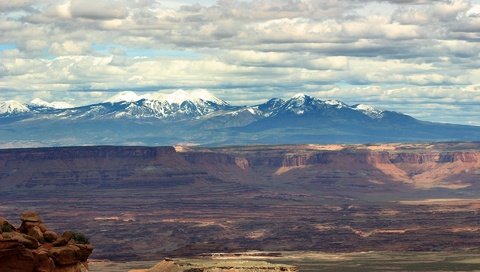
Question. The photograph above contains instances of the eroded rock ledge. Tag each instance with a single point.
(210, 265)
(34, 248)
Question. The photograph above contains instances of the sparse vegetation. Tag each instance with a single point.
(6, 228)
(80, 238)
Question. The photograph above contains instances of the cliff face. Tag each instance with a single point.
(163, 166)
(306, 159)
(91, 166)
(90, 152)
(427, 157)
(422, 168)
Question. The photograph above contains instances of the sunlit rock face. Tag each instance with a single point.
(34, 248)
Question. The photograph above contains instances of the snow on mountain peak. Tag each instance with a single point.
(207, 96)
(299, 96)
(12, 106)
(180, 96)
(336, 103)
(126, 96)
(54, 104)
(368, 110)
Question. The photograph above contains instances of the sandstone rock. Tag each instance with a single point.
(43, 262)
(26, 226)
(84, 252)
(42, 227)
(50, 236)
(14, 257)
(68, 235)
(29, 225)
(30, 217)
(61, 241)
(30, 248)
(36, 233)
(65, 255)
(79, 267)
(67, 238)
(26, 240)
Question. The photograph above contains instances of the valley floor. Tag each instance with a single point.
(345, 262)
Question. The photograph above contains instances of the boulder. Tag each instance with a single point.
(26, 240)
(64, 239)
(14, 257)
(50, 236)
(84, 252)
(68, 235)
(43, 263)
(27, 226)
(42, 227)
(65, 255)
(36, 233)
(61, 241)
(30, 217)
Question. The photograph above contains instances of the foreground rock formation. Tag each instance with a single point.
(34, 248)
(210, 265)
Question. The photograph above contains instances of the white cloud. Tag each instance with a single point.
(451, 9)
(70, 48)
(15, 4)
(248, 50)
(98, 10)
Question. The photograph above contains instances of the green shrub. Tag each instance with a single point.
(80, 238)
(6, 228)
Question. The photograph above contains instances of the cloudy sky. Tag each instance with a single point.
(420, 57)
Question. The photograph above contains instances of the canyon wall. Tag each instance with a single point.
(149, 166)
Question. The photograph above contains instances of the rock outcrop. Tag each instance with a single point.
(213, 265)
(34, 248)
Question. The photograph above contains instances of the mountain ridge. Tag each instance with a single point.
(200, 118)
(202, 101)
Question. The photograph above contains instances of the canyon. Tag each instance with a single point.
(146, 203)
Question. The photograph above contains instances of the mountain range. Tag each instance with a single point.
(201, 118)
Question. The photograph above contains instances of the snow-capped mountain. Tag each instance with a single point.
(126, 96)
(180, 105)
(12, 107)
(199, 97)
(301, 104)
(368, 110)
(38, 102)
(201, 118)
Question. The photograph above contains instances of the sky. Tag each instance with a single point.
(419, 57)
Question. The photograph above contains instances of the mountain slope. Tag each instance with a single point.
(201, 118)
